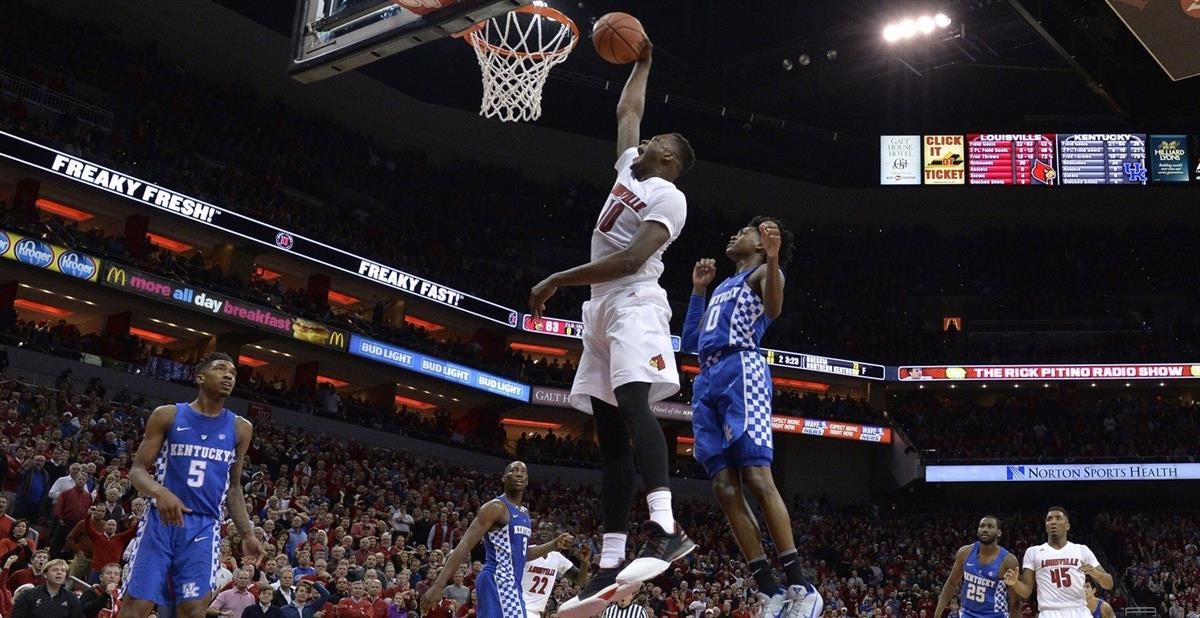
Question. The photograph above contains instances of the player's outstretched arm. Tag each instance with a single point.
(650, 236)
(633, 103)
(236, 500)
(1021, 584)
(953, 580)
(702, 275)
(169, 508)
(1106, 610)
(489, 515)
(771, 284)
(562, 542)
(1014, 601)
(1098, 573)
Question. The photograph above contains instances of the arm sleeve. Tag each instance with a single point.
(691, 324)
(55, 491)
(668, 207)
(1030, 561)
(564, 565)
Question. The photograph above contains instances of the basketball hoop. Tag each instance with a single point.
(516, 52)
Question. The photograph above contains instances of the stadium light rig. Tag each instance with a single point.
(909, 28)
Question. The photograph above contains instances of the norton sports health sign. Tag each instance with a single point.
(944, 373)
(177, 204)
(1024, 473)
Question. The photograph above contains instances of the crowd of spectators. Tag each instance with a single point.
(1159, 558)
(343, 523)
(217, 141)
(1050, 424)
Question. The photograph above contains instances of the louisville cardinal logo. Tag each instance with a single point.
(1043, 173)
(658, 363)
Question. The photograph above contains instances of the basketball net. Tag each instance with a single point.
(516, 52)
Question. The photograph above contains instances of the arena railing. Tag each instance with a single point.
(55, 101)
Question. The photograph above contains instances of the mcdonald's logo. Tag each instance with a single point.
(337, 339)
(952, 323)
(116, 276)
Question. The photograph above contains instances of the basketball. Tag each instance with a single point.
(618, 38)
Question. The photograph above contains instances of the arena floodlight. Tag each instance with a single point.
(908, 27)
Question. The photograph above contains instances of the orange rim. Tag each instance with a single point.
(544, 11)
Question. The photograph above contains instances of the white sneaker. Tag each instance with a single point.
(773, 607)
(804, 602)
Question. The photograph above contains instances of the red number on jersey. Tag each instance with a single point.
(1061, 577)
(609, 218)
(535, 588)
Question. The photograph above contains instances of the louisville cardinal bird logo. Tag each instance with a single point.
(1043, 173)
(658, 363)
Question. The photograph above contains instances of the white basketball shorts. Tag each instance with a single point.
(626, 339)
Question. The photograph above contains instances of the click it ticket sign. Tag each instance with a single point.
(944, 373)
(945, 162)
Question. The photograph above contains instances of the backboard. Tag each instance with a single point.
(333, 36)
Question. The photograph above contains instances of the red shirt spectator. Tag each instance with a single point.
(73, 504)
(444, 609)
(34, 574)
(107, 546)
(351, 608)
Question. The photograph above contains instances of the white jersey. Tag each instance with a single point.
(538, 580)
(1059, 580)
(631, 202)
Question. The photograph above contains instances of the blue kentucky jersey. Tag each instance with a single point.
(196, 455)
(983, 589)
(504, 563)
(735, 318)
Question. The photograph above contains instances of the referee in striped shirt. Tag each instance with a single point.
(625, 609)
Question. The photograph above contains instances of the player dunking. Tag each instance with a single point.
(1058, 568)
(197, 450)
(627, 360)
(977, 575)
(541, 574)
(503, 525)
(731, 404)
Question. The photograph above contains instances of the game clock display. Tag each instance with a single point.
(1011, 159)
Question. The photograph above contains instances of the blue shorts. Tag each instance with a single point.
(731, 412)
(174, 564)
(495, 601)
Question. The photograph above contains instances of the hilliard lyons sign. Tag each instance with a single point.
(1022, 473)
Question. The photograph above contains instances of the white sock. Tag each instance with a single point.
(613, 552)
(660, 509)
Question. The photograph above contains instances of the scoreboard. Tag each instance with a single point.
(1040, 159)
(1102, 158)
(1011, 159)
